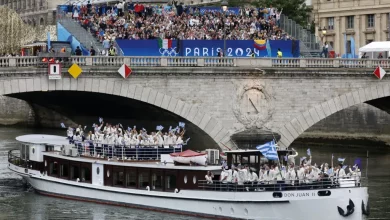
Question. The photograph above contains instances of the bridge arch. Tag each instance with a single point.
(203, 120)
(304, 120)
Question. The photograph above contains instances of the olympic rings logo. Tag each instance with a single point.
(168, 52)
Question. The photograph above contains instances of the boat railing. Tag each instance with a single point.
(260, 186)
(14, 157)
(125, 152)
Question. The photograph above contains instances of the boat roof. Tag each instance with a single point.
(43, 139)
(154, 164)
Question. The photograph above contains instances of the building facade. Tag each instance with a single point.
(34, 12)
(363, 20)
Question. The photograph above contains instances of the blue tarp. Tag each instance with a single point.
(207, 48)
(65, 35)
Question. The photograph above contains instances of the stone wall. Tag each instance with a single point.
(14, 111)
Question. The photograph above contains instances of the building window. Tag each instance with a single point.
(350, 22)
(348, 46)
(331, 23)
(370, 21)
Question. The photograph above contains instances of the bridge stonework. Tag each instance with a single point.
(222, 101)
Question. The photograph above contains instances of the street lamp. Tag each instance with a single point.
(224, 5)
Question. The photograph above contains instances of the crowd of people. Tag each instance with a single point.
(291, 175)
(126, 20)
(108, 140)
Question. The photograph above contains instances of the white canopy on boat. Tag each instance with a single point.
(43, 139)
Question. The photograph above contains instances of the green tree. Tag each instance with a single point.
(296, 10)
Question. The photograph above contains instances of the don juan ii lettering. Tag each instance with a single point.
(299, 194)
(212, 52)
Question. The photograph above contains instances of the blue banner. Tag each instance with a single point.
(209, 48)
(64, 35)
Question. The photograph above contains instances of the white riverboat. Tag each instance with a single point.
(135, 177)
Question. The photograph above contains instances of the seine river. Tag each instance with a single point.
(17, 202)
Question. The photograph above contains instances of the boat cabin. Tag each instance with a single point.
(53, 156)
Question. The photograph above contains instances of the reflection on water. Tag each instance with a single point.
(17, 203)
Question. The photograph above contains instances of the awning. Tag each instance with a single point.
(38, 44)
(378, 46)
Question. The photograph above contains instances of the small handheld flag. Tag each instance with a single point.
(100, 119)
(308, 152)
(345, 166)
(128, 128)
(186, 141)
(379, 72)
(159, 127)
(302, 159)
(285, 158)
(341, 160)
(182, 124)
(94, 125)
(63, 125)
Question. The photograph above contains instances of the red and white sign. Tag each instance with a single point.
(379, 72)
(125, 71)
(54, 71)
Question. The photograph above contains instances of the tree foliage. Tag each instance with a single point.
(296, 10)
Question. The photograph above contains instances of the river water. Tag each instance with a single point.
(17, 202)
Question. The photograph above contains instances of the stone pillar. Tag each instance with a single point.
(343, 29)
(357, 33)
(337, 36)
(384, 26)
(363, 37)
(377, 27)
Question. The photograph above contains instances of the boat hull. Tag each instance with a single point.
(214, 204)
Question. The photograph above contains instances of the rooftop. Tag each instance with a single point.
(43, 139)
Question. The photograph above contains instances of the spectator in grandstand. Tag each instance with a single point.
(92, 51)
(151, 22)
(78, 51)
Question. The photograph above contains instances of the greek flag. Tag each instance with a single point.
(341, 160)
(182, 124)
(128, 128)
(159, 127)
(63, 125)
(308, 152)
(268, 150)
(100, 119)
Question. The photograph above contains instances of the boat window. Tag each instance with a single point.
(170, 181)
(143, 179)
(277, 195)
(185, 179)
(118, 178)
(131, 178)
(97, 170)
(85, 174)
(64, 171)
(324, 193)
(53, 169)
(45, 163)
(74, 172)
(157, 181)
(194, 179)
(108, 173)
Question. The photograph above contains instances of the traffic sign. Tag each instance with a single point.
(75, 70)
(124, 71)
(54, 71)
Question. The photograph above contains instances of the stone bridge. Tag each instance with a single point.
(219, 98)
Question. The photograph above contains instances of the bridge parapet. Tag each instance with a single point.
(201, 62)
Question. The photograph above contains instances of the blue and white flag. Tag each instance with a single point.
(159, 127)
(341, 160)
(93, 125)
(332, 156)
(186, 141)
(308, 152)
(128, 128)
(285, 158)
(330, 171)
(100, 119)
(170, 128)
(268, 150)
(63, 125)
(182, 124)
(302, 159)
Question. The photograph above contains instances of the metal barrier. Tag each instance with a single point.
(324, 183)
(15, 158)
(122, 152)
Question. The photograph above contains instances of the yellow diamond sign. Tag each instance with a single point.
(75, 70)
